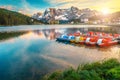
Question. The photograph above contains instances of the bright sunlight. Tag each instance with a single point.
(105, 11)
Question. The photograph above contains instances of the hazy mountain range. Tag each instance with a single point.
(65, 14)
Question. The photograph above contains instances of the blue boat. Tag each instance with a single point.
(65, 38)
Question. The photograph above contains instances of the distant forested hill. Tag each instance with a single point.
(8, 17)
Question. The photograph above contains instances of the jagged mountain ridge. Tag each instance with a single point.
(65, 14)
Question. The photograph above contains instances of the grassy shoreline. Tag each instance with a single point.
(105, 70)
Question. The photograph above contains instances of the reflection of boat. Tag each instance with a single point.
(106, 42)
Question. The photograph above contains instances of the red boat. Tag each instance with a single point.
(105, 42)
(116, 35)
(92, 41)
(90, 33)
(75, 34)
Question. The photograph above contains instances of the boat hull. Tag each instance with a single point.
(108, 44)
(118, 39)
(91, 43)
(72, 41)
(62, 40)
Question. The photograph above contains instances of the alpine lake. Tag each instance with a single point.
(30, 52)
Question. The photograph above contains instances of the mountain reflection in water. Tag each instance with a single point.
(32, 54)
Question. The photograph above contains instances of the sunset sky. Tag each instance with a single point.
(33, 6)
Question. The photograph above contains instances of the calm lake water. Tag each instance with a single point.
(30, 52)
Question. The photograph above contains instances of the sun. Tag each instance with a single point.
(105, 11)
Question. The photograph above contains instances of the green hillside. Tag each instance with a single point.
(14, 18)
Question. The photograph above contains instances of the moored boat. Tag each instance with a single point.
(62, 38)
(80, 39)
(105, 42)
(71, 39)
(92, 41)
(77, 39)
(87, 40)
(65, 38)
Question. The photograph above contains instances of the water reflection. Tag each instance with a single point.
(53, 33)
(35, 53)
(10, 35)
